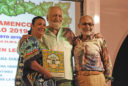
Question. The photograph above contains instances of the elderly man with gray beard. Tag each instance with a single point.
(93, 65)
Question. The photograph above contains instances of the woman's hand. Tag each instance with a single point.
(24, 37)
(48, 75)
(37, 67)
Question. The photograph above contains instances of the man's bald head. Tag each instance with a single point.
(86, 17)
(54, 8)
(55, 17)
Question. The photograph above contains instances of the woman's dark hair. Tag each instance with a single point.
(33, 21)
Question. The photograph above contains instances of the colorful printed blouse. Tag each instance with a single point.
(92, 55)
(29, 51)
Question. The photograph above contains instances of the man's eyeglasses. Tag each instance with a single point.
(90, 24)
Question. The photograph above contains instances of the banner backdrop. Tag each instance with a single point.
(15, 20)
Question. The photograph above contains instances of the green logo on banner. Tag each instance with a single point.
(17, 7)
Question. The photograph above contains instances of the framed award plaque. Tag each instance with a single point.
(53, 61)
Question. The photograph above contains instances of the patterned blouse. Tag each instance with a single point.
(92, 55)
(29, 51)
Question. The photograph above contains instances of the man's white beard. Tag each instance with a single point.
(89, 32)
(55, 25)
